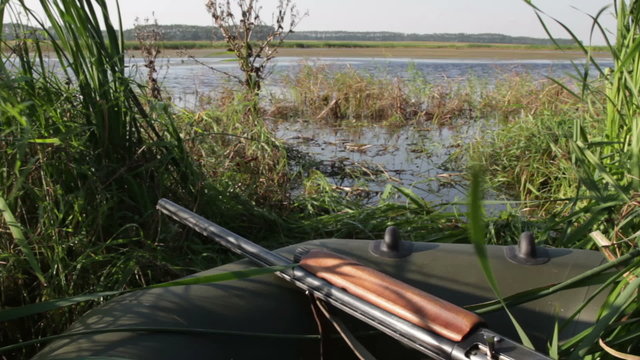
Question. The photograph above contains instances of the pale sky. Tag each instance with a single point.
(511, 17)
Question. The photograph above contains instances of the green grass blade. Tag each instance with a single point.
(553, 347)
(21, 240)
(32, 309)
(413, 197)
(160, 330)
(226, 276)
(37, 308)
(613, 311)
(477, 235)
(593, 160)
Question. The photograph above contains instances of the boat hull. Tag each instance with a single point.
(256, 316)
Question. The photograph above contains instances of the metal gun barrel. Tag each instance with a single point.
(228, 239)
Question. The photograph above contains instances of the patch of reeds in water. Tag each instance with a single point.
(322, 93)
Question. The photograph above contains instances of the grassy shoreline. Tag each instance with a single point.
(406, 50)
(414, 50)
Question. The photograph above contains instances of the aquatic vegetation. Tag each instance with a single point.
(318, 92)
(529, 154)
(83, 160)
(237, 150)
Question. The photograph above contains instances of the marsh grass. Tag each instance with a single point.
(76, 169)
(609, 174)
(529, 154)
(83, 160)
(320, 93)
(237, 149)
(515, 95)
(584, 160)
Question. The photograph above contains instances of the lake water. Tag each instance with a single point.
(186, 79)
(418, 158)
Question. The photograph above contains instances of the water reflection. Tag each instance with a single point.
(414, 157)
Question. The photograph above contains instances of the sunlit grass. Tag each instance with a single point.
(319, 93)
(83, 161)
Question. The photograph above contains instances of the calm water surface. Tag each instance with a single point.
(418, 158)
(187, 79)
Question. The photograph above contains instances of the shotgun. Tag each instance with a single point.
(424, 322)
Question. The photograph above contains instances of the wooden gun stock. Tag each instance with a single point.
(403, 300)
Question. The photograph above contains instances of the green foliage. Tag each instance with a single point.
(529, 157)
(79, 164)
(316, 92)
(31, 309)
(346, 95)
(194, 33)
(398, 206)
(584, 162)
(394, 37)
(605, 146)
(83, 161)
(609, 170)
(202, 43)
(179, 45)
(477, 236)
(235, 148)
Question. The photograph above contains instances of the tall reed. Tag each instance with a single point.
(82, 164)
(609, 168)
(83, 161)
(347, 95)
(600, 164)
(335, 95)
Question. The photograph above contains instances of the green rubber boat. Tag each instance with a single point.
(266, 317)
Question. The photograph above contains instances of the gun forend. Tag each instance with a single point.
(403, 300)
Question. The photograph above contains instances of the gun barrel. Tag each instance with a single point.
(228, 239)
(425, 341)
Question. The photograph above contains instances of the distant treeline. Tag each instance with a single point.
(13, 31)
(192, 32)
(208, 33)
(395, 36)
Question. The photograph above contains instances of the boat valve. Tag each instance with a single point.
(392, 245)
(526, 252)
